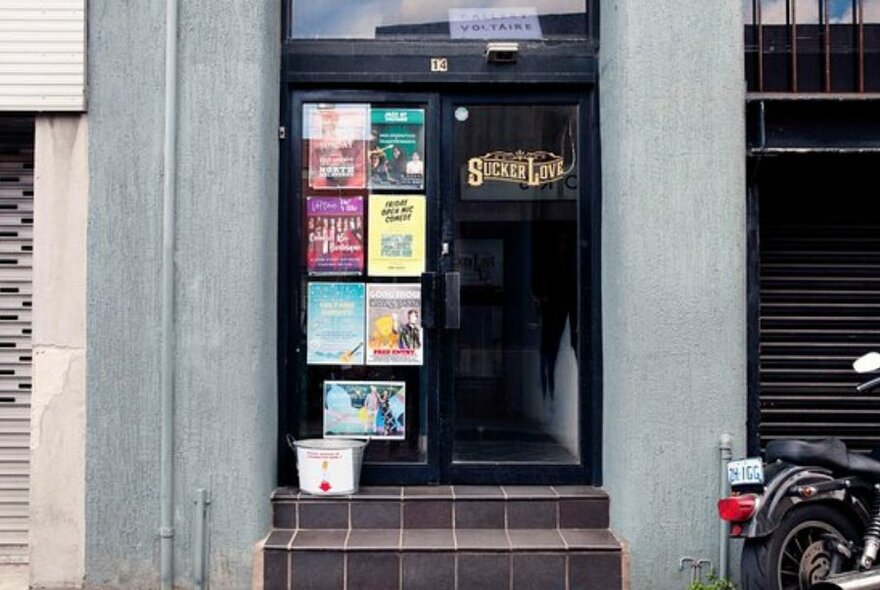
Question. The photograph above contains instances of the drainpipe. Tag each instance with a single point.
(169, 197)
(724, 446)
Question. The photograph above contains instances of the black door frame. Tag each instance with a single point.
(437, 373)
(384, 67)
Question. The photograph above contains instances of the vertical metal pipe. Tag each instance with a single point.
(760, 24)
(823, 4)
(860, 15)
(200, 540)
(724, 446)
(794, 57)
(169, 199)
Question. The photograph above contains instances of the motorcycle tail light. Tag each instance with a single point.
(737, 508)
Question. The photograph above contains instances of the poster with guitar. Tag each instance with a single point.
(335, 324)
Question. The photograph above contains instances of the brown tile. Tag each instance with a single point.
(372, 539)
(429, 571)
(594, 571)
(535, 539)
(284, 515)
(581, 492)
(284, 494)
(485, 571)
(378, 493)
(410, 492)
(278, 540)
(373, 571)
(582, 514)
(428, 539)
(320, 540)
(529, 491)
(531, 514)
(595, 539)
(275, 570)
(479, 514)
(482, 539)
(538, 571)
(316, 570)
(375, 515)
(493, 492)
(323, 515)
(427, 514)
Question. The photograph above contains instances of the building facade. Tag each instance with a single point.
(584, 337)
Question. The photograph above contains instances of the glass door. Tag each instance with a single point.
(516, 229)
(364, 207)
(439, 263)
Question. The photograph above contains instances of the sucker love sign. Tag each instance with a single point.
(529, 168)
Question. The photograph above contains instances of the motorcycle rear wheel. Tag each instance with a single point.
(794, 556)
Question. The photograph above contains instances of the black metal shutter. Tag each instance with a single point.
(819, 299)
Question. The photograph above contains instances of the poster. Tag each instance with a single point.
(396, 245)
(394, 327)
(397, 149)
(335, 233)
(335, 330)
(365, 409)
(337, 143)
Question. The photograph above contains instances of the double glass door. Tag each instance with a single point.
(439, 276)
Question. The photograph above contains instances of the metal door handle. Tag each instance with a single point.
(452, 298)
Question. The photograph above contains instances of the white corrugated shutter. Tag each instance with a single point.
(16, 234)
(42, 55)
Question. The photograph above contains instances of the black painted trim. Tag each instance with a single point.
(395, 62)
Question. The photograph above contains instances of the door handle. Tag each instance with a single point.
(429, 300)
(452, 298)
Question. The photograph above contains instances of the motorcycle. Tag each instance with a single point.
(809, 513)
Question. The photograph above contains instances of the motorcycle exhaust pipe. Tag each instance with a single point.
(869, 580)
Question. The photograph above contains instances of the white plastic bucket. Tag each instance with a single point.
(329, 467)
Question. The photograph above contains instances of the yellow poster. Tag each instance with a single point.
(396, 245)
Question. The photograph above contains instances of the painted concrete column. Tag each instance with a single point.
(57, 482)
(225, 286)
(673, 272)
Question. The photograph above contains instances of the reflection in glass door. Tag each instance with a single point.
(515, 234)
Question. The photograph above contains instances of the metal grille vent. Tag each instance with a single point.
(820, 309)
(16, 254)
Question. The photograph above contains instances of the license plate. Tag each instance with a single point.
(745, 472)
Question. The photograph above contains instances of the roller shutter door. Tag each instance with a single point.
(819, 295)
(16, 224)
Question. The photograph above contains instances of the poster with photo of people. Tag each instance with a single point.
(394, 327)
(397, 149)
(335, 234)
(337, 136)
(365, 409)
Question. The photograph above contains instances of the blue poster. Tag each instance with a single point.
(335, 330)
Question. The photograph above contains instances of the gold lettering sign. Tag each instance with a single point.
(529, 168)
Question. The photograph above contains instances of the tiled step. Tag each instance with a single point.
(437, 507)
(443, 538)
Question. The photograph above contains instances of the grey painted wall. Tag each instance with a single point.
(673, 272)
(226, 267)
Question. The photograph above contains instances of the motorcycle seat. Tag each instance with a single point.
(830, 453)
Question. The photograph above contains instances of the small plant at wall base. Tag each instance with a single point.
(713, 583)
